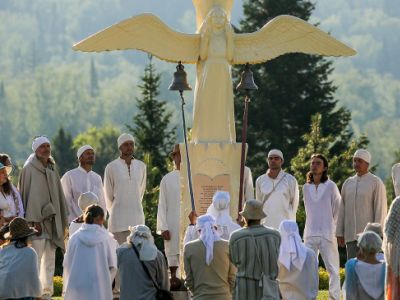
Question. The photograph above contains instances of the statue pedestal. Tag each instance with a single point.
(214, 166)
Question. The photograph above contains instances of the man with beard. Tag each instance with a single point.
(81, 180)
(278, 191)
(45, 209)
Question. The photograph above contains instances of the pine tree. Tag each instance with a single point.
(292, 88)
(152, 129)
(63, 152)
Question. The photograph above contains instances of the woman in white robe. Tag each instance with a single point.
(298, 265)
(90, 262)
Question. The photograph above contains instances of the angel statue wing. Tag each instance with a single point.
(148, 33)
(286, 34)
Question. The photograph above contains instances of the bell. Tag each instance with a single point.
(180, 80)
(247, 80)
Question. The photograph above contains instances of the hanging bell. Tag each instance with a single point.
(180, 80)
(247, 80)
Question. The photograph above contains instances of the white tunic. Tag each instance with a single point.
(396, 178)
(19, 273)
(300, 284)
(90, 264)
(124, 189)
(283, 202)
(8, 205)
(248, 184)
(76, 182)
(322, 209)
(168, 213)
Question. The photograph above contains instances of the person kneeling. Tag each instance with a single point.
(365, 276)
(90, 262)
(19, 273)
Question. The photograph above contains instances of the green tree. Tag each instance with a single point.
(63, 152)
(152, 123)
(104, 141)
(292, 88)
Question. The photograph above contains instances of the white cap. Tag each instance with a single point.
(83, 149)
(276, 152)
(363, 154)
(125, 137)
(37, 142)
(87, 199)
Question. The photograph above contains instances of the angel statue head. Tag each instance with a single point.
(204, 8)
(216, 20)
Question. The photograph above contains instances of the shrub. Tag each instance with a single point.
(324, 278)
(58, 285)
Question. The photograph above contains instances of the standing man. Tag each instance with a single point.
(322, 203)
(278, 191)
(254, 250)
(124, 187)
(363, 200)
(81, 180)
(168, 213)
(45, 208)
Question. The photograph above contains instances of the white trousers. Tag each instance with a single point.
(46, 253)
(330, 256)
(120, 237)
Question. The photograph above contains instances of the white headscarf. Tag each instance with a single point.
(144, 242)
(219, 210)
(208, 235)
(292, 251)
(37, 142)
(125, 137)
(83, 149)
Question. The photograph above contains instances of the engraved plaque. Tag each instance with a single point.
(205, 187)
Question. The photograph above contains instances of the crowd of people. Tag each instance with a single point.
(110, 253)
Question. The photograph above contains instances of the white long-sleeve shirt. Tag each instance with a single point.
(282, 204)
(124, 188)
(168, 213)
(322, 205)
(248, 184)
(76, 182)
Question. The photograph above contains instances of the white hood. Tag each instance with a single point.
(92, 234)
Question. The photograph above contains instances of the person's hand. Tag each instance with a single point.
(340, 241)
(166, 235)
(193, 217)
(38, 227)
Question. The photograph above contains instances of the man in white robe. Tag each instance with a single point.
(298, 265)
(124, 187)
(278, 191)
(81, 180)
(168, 213)
(363, 200)
(322, 202)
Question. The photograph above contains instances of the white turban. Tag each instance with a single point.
(276, 152)
(363, 154)
(142, 239)
(292, 250)
(208, 235)
(87, 199)
(125, 137)
(37, 142)
(83, 149)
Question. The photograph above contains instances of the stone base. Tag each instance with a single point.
(214, 166)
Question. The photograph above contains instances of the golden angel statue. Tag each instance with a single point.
(214, 48)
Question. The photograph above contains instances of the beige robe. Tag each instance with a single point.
(44, 200)
(363, 200)
(209, 282)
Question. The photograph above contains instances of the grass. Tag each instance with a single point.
(322, 295)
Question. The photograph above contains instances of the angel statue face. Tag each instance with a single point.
(218, 17)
